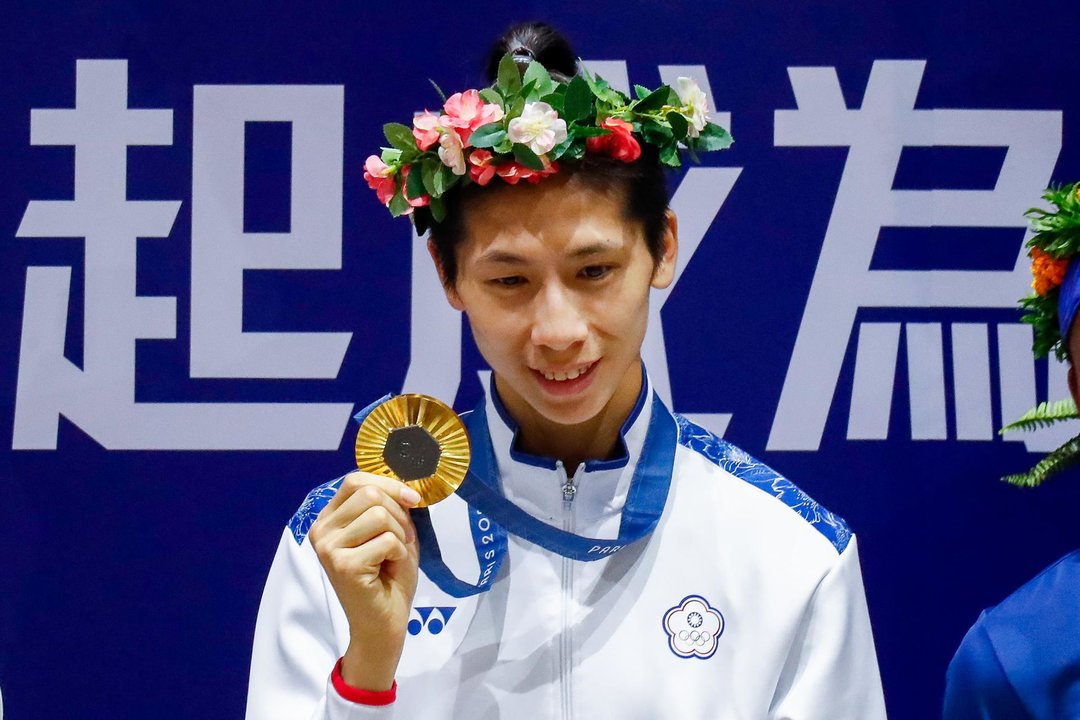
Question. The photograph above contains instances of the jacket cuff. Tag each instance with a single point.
(356, 695)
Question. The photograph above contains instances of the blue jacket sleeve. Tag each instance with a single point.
(976, 687)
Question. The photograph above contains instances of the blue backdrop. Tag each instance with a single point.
(844, 307)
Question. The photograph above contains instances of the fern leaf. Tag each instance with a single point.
(1062, 458)
(1043, 415)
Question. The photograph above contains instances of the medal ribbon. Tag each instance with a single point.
(492, 515)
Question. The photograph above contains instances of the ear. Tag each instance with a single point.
(448, 288)
(664, 272)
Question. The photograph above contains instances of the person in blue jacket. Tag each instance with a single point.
(1021, 658)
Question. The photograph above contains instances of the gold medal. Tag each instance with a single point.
(418, 440)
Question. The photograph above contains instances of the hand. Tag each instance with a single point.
(367, 545)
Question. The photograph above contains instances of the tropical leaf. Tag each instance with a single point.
(1044, 415)
(1062, 458)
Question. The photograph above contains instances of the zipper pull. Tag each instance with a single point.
(568, 489)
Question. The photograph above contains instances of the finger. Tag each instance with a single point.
(365, 497)
(399, 491)
(383, 548)
(370, 524)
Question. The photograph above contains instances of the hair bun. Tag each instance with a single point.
(530, 41)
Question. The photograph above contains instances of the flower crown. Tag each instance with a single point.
(522, 126)
(1055, 243)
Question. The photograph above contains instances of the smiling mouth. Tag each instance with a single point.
(566, 375)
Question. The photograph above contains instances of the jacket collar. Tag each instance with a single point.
(535, 483)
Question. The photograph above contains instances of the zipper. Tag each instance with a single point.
(566, 644)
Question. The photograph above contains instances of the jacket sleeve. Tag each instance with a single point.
(976, 687)
(831, 672)
(296, 647)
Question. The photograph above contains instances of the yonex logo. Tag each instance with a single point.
(435, 624)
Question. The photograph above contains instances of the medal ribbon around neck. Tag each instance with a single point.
(491, 515)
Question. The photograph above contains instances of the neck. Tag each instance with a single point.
(597, 438)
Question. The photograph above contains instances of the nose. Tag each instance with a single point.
(557, 320)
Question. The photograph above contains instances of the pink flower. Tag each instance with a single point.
(481, 170)
(513, 172)
(619, 143)
(414, 202)
(426, 129)
(466, 111)
(451, 152)
(380, 178)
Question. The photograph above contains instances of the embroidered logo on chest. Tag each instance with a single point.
(693, 628)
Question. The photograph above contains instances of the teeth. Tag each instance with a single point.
(571, 375)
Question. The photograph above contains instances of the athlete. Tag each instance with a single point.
(611, 559)
(1021, 658)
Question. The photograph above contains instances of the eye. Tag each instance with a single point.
(596, 272)
(508, 281)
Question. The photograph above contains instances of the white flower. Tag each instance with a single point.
(693, 98)
(450, 152)
(539, 127)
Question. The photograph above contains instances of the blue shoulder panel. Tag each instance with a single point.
(751, 470)
(309, 509)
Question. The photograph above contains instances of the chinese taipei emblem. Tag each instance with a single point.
(693, 628)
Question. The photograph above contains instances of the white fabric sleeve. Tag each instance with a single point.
(831, 672)
(295, 646)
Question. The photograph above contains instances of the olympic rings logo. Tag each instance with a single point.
(695, 637)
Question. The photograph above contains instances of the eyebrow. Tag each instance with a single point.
(508, 258)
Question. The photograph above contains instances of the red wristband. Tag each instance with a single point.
(356, 695)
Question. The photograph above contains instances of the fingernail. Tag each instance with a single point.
(410, 496)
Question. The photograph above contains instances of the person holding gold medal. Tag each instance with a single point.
(569, 548)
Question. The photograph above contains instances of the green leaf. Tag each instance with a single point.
(438, 209)
(641, 91)
(390, 156)
(558, 151)
(428, 170)
(679, 126)
(655, 133)
(579, 100)
(712, 137)
(438, 89)
(1044, 415)
(527, 157)
(509, 77)
(400, 136)
(653, 101)
(504, 146)
(587, 131)
(669, 155)
(537, 76)
(398, 204)
(414, 185)
(492, 95)
(516, 108)
(443, 180)
(1060, 459)
(487, 136)
(601, 89)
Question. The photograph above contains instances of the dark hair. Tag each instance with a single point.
(645, 196)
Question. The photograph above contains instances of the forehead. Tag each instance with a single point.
(557, 215)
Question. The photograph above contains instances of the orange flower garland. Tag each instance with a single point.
(1048, 272)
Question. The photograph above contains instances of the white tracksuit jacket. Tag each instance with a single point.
(745, 602)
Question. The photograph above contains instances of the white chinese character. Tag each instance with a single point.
(99, 397)
(876, 134)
